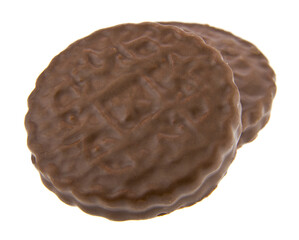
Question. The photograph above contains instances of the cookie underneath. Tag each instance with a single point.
(253, 75)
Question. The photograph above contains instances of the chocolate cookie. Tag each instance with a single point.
(252, 73)
(134, 121)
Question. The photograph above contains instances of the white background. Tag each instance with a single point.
(257, 199)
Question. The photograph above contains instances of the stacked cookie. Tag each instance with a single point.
(138, 120)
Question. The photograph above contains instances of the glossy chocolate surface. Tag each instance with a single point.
(134, 121)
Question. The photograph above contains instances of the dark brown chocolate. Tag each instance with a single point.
(252, 74)
(134, 121)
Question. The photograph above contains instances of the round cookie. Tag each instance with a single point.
(252, 73)
(134, 121)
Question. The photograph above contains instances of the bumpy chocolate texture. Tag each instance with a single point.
(252, 73)
(134, 121)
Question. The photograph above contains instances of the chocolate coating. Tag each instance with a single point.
(134, 121)
(252, 74)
